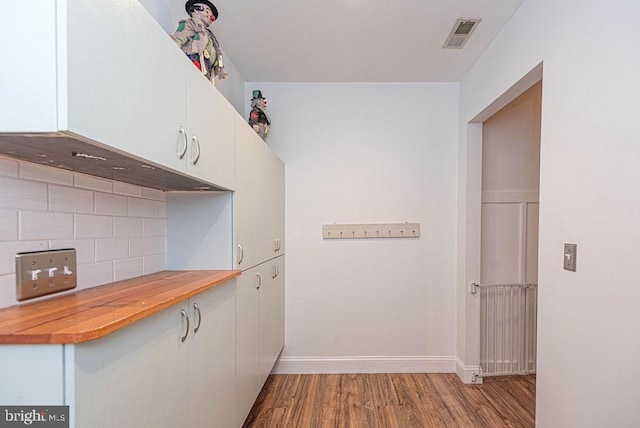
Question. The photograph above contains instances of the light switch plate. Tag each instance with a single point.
(39, 273)
(570, 252)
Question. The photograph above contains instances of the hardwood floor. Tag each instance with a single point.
(393, 401)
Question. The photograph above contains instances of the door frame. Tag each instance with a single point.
(469, 229)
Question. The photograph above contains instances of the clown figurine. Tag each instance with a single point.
(198, 42)
(258, 118)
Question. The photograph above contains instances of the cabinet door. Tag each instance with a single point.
(32, 375)
(250, 196)
(247, 342)
(211, 133)
(28, 85)
(124, 81)
(135, 377)
(275, 204)
(212, 358)
(271, 317)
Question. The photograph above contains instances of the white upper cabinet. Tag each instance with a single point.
(125, 81)
(28, 93)
(210, 132)
(275, 204)
(106, 73)
(259, 199)
(250, 196)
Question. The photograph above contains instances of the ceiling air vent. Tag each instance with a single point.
(460, 33)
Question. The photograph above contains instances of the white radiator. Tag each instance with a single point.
(508, 319)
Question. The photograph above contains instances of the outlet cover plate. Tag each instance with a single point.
(39, 273)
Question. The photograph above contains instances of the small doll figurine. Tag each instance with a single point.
(198, 42)
(258, 118)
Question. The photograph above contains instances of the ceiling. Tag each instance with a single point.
(354, 40)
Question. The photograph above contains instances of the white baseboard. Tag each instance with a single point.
(326, 365)
(468, 374)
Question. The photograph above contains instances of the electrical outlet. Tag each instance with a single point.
(39, 273)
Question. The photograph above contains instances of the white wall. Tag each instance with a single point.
(367, 153)
(118, 230)
(510, 191)
(588, 342)
(168, 13)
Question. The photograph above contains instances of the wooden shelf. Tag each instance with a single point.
(95, 312)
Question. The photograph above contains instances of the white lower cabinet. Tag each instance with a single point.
(247, 341)
(143, 376)
(135, 377)
(147, 376)
(271, 316)
(259, 330)
(212, 359)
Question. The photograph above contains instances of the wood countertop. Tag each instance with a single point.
(95, 312)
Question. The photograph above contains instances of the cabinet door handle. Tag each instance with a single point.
(181, 151)
(277, 270)
(278, 239)
(274, 270)
(259, 281)
(275, 245)
(196, 308)
(196, 145)
(240, 253)
(186, 317)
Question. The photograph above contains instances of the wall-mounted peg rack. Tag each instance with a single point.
(376, 230)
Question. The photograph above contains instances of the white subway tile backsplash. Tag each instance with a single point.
(33, 171)
(85, 248)
(9, 249)
(156, 195)
(160, 245)
(8, 167)
(127, 189)
(153, 227)
(140, 207)
(127, 268)
(142, 247)
(127, 227)
(70, 200)
(92, 183)
(94, 226)
(156, 263)
(8, 225)
(22, 194)
(111, 249)
(117, 229)
(159, 209)
(45, 225)
(93, 274)
(7, 290)
(109, 204)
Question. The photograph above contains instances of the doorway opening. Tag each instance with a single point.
(509, 236)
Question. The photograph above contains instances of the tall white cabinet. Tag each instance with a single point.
(260, 200)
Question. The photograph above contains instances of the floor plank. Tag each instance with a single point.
(393, 401)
